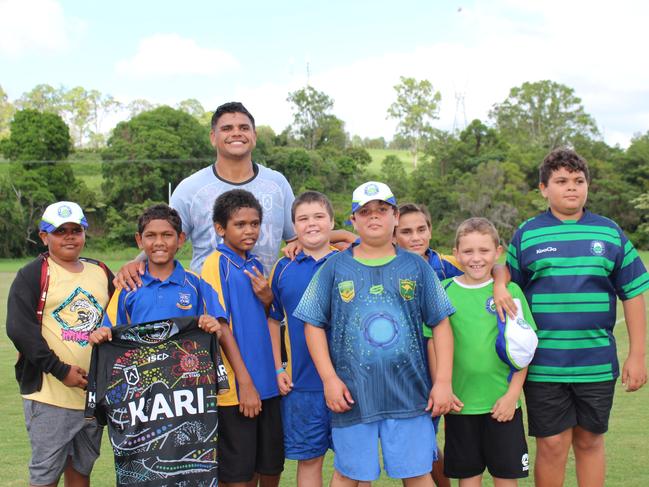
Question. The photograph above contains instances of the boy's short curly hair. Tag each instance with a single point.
(476, 225)
(312, 197)
(229, 202)
(160, 212)
(562, 157)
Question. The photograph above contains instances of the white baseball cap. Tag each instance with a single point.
(62, 212)
(370, 191)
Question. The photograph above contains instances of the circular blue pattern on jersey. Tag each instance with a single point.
(380, 330)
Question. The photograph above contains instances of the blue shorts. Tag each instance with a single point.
(408, 445)
(307, 425)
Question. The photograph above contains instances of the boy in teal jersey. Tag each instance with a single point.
(250, 422)
(363, 312)
(573, 265)
(488, 432)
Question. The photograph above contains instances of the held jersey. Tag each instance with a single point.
(155, 386)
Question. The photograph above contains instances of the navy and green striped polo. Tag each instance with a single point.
(572, 273)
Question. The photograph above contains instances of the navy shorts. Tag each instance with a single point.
(307, 425)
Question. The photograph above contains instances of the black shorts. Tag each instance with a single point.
(250, 445)
(477, 441)
(553, 407)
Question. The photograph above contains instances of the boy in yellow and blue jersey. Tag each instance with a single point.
(250, 423)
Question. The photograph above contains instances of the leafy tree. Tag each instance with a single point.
(138, 106)
(544, 114)
(635, 163)
(150, 151)
(310, 108)
(392, 170)
(416, 104)
(42, 98)
(6, 113)
(193, 107)
(37, 136)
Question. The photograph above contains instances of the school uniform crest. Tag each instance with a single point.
(346, 291)
(184, 301)
(407, 289)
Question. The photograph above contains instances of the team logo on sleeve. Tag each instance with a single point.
(184, 301)
(346, 291)
(597, 247)
(407, 289)
(490, 305)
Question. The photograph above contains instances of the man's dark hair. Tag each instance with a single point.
(312, 197)
(229, 202)
(566, 158)
(232, 107)
(160, 212)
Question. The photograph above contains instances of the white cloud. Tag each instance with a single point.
(35, 25)
(595, 48)
(171, 55)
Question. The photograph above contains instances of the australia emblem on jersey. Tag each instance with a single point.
(407, 289)
(184, 301)
(346, 291)
(597, 247)
(490, 305)
(78, 316)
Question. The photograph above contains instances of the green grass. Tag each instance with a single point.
(625, 442)
(379, 154)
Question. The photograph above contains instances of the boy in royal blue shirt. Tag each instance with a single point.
(250, 423)
(305, 417)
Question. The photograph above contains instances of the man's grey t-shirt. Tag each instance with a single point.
(194, 199)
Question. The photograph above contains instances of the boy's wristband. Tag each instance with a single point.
(280, 370)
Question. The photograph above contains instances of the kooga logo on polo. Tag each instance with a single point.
(547, 249)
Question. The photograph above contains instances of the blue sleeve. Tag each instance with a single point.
(629, 277)
(210, 301)
(276, 309)
(518, 274)
(435, 305)
(315, 305)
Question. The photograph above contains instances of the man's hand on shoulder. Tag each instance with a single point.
(129, 275)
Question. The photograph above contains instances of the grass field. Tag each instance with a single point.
(626, 440)
(379, 154)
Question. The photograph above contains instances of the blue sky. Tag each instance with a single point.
(257, 51)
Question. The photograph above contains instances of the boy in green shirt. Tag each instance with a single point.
(488, 431)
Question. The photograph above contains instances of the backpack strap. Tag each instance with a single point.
(44, 285)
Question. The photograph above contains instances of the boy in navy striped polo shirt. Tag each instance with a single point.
(572, 265)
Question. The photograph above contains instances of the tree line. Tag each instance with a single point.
(488, 169)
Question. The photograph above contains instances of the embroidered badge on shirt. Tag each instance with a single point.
(407, 289)
(346, 291)
(184, 301)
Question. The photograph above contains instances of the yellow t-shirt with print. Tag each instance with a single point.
(73, 309)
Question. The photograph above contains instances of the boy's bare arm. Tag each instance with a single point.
(505, 406)
(502, 297)
(432, 358)
(249, 402)
(442, 400)
(129, 275)
(283, 380)
(634, 371)
(337, 396)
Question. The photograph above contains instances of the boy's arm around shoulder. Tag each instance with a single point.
(23, 326)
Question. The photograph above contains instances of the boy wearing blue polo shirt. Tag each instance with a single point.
(572, 265)
(250, 423)
(305, 417)
(364, 309)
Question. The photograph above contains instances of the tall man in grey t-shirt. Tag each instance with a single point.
(233, 136)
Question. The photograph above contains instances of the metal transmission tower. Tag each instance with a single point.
(460, 111)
